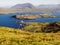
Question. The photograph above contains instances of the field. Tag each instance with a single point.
(12, 36)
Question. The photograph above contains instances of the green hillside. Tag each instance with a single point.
(11, 36)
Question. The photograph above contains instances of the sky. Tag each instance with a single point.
(4, 3)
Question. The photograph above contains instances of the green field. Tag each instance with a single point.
(24, 36)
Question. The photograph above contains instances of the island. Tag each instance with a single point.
(31, 17)
(26, 17)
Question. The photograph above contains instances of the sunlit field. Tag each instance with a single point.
(25, 36)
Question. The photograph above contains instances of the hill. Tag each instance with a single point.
(53, 8)
(21, 6)
(6, 10)
(26, 7)
(12, 36)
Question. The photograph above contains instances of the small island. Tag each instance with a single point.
(31, 17)
(26, 17)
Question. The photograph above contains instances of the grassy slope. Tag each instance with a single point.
(10, 36)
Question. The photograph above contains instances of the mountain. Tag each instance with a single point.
(53, 6)
(27, 7)
(21, 6)
(24, 7)
(50, 8)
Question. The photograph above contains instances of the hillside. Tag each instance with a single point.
(11, 36)
(21, 6)
(6, 11)
(53, 8)
(26, 7)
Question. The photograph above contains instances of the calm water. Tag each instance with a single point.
(6, 20)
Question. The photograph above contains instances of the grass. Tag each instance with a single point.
(11, 36)
(44, 27)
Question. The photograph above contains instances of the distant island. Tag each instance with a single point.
(30, 17)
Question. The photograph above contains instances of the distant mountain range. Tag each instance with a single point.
(50, 8)
(27, 7)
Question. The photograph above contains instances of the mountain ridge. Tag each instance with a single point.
(20, 6)
(28, 7)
